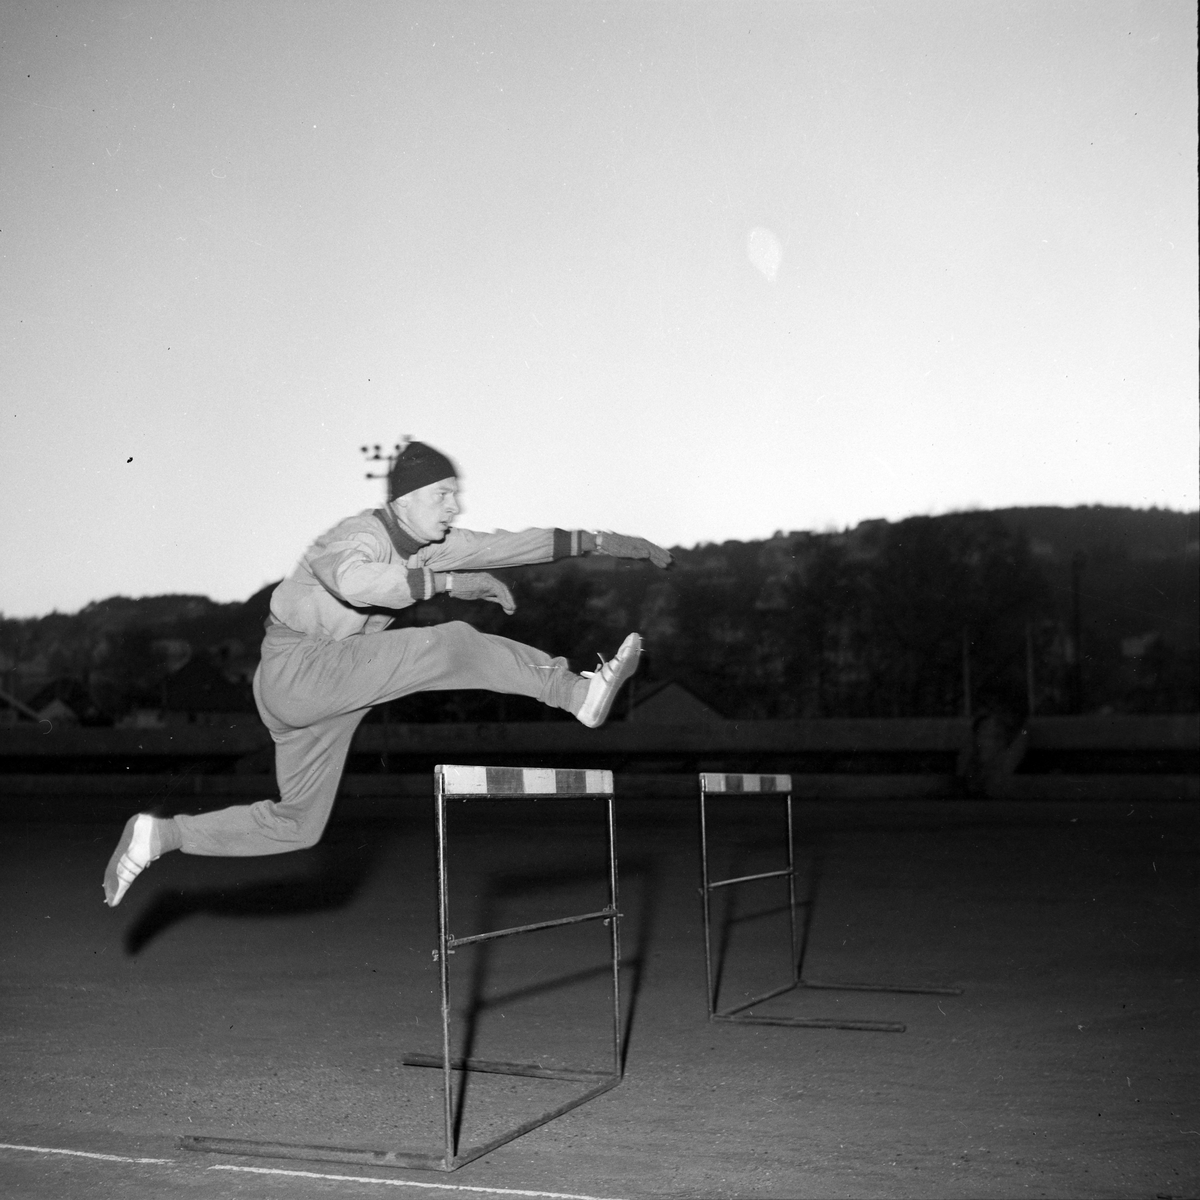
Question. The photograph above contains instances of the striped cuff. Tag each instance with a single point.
(566, 544)
(420, 583)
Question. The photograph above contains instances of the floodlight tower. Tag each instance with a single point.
(375, 454)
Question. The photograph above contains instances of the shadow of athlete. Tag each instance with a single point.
(329, 876)
(641, 872)
(327, 659)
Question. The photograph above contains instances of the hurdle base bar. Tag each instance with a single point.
(814, 1023)
(898, 989)
(737, 1015)
(414, 1160)
(497, 1067)
(304, 1152)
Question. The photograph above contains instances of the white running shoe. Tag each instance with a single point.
(607, 680)
(132, 856)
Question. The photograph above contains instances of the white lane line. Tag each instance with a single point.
(442, 1187)
(83, 1154)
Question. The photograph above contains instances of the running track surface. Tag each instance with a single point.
(274, 997)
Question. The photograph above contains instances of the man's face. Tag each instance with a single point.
(429, 511)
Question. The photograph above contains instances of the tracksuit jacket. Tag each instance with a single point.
(328, 657)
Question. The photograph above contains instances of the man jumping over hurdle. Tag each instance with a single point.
(328, 656)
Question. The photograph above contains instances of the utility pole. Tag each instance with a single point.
(1030, 689)
(966, 666)
(1077, 561)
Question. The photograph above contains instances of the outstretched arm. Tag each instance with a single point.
(479, 585)
(467, 550)
(620, 545)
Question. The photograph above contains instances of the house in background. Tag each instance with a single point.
(199, 693)
(668, 703)
(67, 701)
(13, 710)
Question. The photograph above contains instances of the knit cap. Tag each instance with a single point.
(415, 467)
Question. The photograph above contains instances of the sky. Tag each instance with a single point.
(693, 271)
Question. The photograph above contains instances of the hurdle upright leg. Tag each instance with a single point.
(474, 783)
(466, 783)
(780, 787)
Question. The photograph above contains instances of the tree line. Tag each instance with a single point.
(1048, 610)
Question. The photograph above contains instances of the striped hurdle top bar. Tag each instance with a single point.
(523, 781)
(714, 781)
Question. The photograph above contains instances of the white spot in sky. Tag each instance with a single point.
(764, 252)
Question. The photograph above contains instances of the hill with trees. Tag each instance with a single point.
(1079, 609)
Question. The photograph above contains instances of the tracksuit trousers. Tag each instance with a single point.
(312, 692)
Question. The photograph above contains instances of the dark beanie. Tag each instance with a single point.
(417, 466)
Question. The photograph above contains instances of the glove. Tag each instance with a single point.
(479, 585)
(618, 545)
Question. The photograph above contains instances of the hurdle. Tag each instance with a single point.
(777, 787)
(467, 783)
